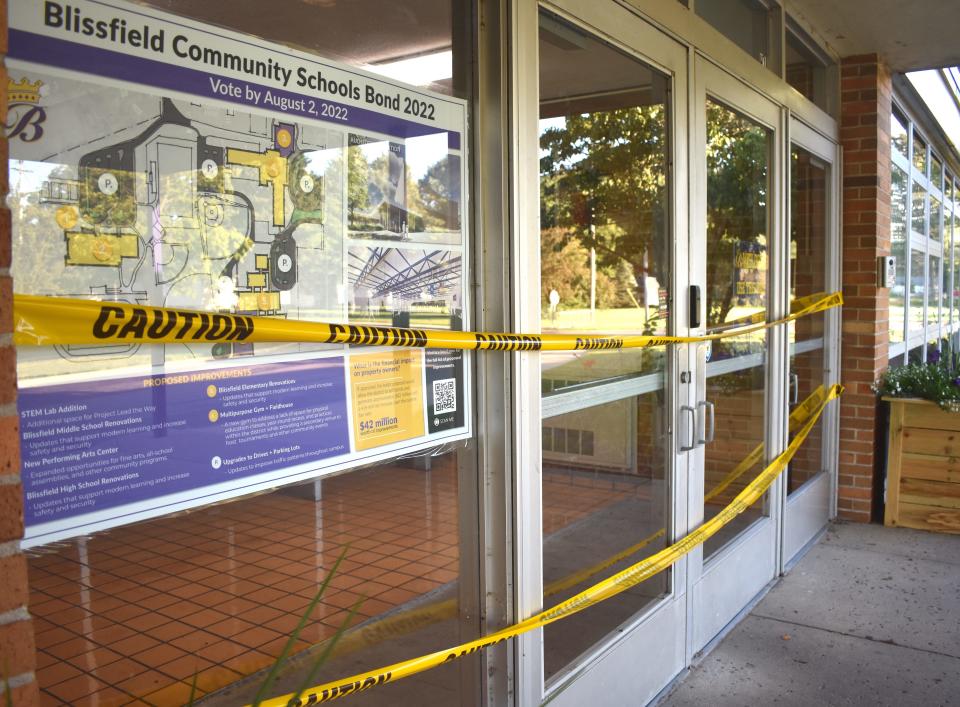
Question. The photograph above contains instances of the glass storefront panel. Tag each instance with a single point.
(898, 247)
(898, 133)
(605, 266)
(918, 290)
(919, 210)
(955, 293)
(809, 190)
(946, 268)
(936, 173)
(936, 215)
(747, 23)
(139, 610)
(933, 291)
(806, 70)
(738, 193)
(220, 206)
(919, 154)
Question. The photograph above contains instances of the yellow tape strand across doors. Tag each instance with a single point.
(40, 321)
(409, 620)
(601, 591)
(43, 321)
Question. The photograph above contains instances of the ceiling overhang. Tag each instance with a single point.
(909, 34)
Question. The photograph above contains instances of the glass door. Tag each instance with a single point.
(734, 255)
(812, 269)
(610, 241)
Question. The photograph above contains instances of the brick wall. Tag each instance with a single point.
(17, 651)
(865, 136)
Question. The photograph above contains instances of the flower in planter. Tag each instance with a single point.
(937, 380)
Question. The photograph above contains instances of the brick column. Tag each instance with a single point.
(865, 135)
(17, 649)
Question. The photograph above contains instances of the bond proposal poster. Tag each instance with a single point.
(158, 161)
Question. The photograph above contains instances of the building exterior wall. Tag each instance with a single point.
(865, 137)
(865, 119)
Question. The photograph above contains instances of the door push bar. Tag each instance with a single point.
(709, 424)
(708, 430)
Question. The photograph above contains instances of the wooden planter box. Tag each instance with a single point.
(923, 467)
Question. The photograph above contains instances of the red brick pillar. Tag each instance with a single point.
(17, 649)
(865, 136)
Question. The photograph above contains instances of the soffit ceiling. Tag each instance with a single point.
(352, 31)
(909, 34)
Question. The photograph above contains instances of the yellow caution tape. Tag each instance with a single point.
(408, 621)
(42, 321)
(800, 414)
(796, 305)
(603, 590)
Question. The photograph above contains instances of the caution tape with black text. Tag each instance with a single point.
(43, 321)
(601, 591)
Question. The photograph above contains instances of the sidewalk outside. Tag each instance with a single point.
(870, 616)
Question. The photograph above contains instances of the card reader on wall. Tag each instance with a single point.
(886, 271)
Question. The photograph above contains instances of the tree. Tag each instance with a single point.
(439, 192)
(603, 182)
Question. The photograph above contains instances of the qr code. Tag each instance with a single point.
(444, 396)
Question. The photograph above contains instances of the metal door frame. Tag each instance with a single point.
(807, 511)
(613, 661)
(720, 588)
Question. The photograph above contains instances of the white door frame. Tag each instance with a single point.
(657, 633)
(807, 511)
(720, 588)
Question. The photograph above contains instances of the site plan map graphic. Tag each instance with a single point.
(180, 205)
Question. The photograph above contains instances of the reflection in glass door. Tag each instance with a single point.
(813, 264)
(808, 269)
(736, 252)
(606, 266)
(737, 242)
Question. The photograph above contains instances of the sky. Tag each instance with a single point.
(941, 100)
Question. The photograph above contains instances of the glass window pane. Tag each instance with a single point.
(215, 590)
(918, 220)
(898, 134)
(915, 355)
(806, 70)
(936, 213)
(919, 154)
(936, 173)
(955, 247)
(605, 267)
(809, 187)
(933, 291)
(918, 274)
(745, 22)
(898, 241)
(738, 154)
(946, 267)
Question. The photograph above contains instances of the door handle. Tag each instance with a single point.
(710, 429)
(693, 425)
(794, 388)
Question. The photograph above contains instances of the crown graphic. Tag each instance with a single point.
(23, 91)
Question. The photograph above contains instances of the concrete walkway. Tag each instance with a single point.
(870, 616)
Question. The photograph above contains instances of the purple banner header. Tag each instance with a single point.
(50, 51)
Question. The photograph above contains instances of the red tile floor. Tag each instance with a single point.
(134, 614)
